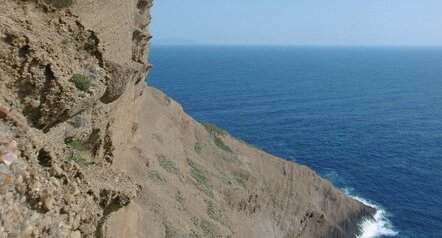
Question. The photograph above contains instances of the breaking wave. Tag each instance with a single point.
(379, 226)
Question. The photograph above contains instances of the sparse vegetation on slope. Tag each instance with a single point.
(162, 98)
(80, 160)
(197, 147)
(81, 82)
(157, 176)
(217, 134)
(241, 182)
(210, 230)
(213, 211)
(214, 130)
(220, 144)
(79, 149)
(167, 164)
(77, 145)
(201, 180)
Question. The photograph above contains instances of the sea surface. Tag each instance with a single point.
(367, 119)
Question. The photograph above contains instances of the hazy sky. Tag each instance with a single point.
(298, 22)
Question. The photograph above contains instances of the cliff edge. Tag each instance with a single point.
(89, 150)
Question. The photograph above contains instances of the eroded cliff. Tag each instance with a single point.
(87, 149)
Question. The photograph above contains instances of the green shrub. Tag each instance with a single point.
(77, 158)
(81, 82)
(77, 145)
(79, 149)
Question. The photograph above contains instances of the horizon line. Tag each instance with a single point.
(299, 45)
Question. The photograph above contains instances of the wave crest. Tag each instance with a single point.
(379, 226)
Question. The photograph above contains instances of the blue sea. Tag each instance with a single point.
(367, 119)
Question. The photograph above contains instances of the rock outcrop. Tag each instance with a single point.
(88, 150)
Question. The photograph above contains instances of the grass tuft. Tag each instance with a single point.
(81, 82)
(217, 134)
(241, 182)
(214, 130)
(210, 230)
(78, 149)
(157, 176)
(220, 144)
(162, 98)
(201, 181)
(167, 164)
(77, 158)
(197, 147)
(212, 211)
(77, 145)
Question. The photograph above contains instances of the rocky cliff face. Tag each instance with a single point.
(87, 149)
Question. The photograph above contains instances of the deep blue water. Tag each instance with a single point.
(368, 119)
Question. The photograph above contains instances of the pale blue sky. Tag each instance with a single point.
(299, 22)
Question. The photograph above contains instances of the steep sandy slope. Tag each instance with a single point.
(88, 150)
(199, 181)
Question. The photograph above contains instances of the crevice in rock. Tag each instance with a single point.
(9, 39)
(24, 51)
(92, 47)
(108, 147)
(44, 158)
(110, 202)
(49, 74)
(95, 141)
(142, 5)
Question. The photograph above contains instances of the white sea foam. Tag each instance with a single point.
(378, 226)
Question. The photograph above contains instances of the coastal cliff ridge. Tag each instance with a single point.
(89, 150)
